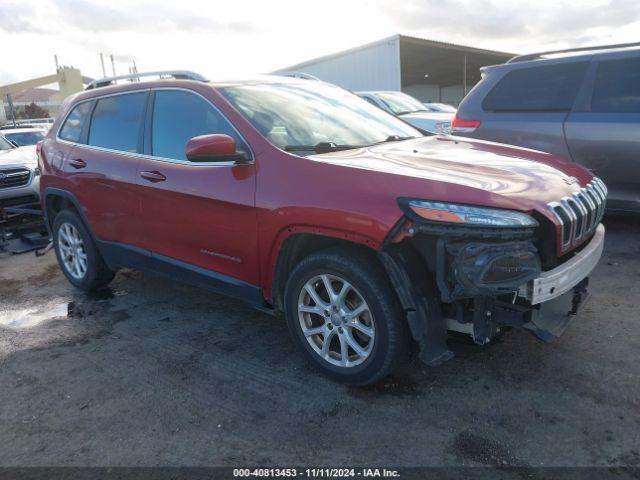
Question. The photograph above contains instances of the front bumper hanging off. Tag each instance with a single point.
(561, 292)
(471, 298)
(556, 282)
(544, 305)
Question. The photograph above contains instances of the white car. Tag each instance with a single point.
(19, 174)
(410, 110)
(440, 107)
(23, 136)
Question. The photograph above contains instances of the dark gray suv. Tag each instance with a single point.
(581, 104)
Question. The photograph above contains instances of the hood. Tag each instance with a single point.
(521, 177)
(19, 157)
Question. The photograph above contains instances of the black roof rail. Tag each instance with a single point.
(533, 56)
(177, 74)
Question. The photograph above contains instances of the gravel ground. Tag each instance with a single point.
(153, 373)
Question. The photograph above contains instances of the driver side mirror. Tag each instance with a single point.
(213, 148)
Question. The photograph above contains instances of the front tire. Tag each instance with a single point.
(344, 315)
(77, 254)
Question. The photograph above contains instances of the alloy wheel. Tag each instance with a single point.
(336, 320)
(72, 251)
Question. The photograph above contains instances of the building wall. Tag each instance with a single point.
(453, 95)
(373, 67)
(424, 93)
(433, 93)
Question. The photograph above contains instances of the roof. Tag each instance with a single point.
(172, 82)
(400, 38)
(453, 46)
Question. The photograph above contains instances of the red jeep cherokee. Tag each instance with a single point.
(299, 197)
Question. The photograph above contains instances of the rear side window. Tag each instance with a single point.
(117, 121)
(617, 87)
(73, 125)
(545, 88)
(178, 116)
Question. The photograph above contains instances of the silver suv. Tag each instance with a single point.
(582, 104)
(19, 175)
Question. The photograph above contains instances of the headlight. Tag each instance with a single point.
(467, 214)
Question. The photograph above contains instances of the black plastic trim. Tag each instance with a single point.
(122, 255)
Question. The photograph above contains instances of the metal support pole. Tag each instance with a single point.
(113, 65)
(104, 71)
(464, 77)
(13, 114)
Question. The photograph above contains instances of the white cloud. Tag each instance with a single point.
(242, 37)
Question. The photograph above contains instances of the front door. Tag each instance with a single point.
(200, 214)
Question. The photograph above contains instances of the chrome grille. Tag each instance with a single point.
(14, 177)
(580, 213)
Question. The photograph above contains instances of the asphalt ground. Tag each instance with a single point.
(155, 373)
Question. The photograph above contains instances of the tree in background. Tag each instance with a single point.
(33, 111)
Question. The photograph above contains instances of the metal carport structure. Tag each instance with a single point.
(427, 69)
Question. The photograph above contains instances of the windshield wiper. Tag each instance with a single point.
(395, 138)
(322, 147)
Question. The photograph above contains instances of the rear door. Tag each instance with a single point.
(102, 167)
(603, 133)
(527, 105)
(201, 214)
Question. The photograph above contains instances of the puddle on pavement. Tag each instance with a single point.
(32, 316)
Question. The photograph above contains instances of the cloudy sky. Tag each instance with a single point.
(237, 37)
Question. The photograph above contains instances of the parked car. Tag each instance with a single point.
(410, 110)
(300, 198)
(44, 123)
(580, 105)
(440, 107)
(21, 137)
(19, 175)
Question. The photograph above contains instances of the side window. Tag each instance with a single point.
(617, 86)
(544, 88)
(72, 128)
(178, 116)
(116, 122)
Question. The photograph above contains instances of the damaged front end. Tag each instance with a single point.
(475, 270)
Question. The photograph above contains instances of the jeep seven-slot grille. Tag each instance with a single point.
(14, 177)
(580, 213)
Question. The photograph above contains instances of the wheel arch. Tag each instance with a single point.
(297, 242)
(55, 200)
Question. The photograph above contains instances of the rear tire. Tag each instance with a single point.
(344, 315)
(77, 254)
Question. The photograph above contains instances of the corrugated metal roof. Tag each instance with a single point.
(401, 38)
(337, 54)
(437, 43)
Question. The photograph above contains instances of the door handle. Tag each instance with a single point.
(77, 163)
(153, 176)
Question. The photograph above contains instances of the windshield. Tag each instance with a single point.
(298, 116)
(4, 144)
(25, 138)
(400, 103)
